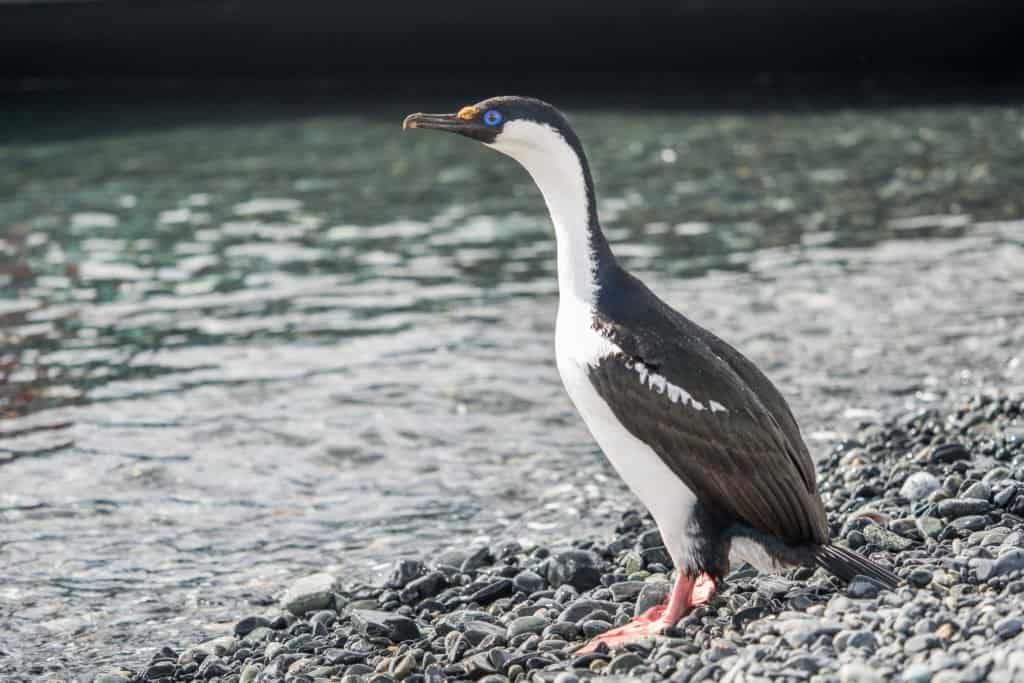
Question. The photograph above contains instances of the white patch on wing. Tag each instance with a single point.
(717, 407)
(675, 393)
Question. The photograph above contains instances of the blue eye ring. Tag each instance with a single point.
(492, 117)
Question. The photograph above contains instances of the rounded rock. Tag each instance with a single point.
(919, 486)
(1008, 627)
(527, 624)
(625, 663)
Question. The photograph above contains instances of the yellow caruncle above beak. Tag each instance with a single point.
(467, 113)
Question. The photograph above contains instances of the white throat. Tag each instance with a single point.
(558, 173)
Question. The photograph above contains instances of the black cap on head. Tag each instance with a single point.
(485, 120)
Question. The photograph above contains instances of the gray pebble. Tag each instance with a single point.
(625, 663)
(930, 527)
(978, 490)
(528, 582)
(529, 624)
(862, 587)
(919, 485)
(594, 627)
(377, 624)
(247, 625)
(577, 568)
(962, 507)
(310, 593)
(970, 523)
(861, 640)
(249, 673)
(919, 577)
(626, 590)
(916, 673)
(921, 643)
(799, 632)
(1008, 627)
(1009, 562)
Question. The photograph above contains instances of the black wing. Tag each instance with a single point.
(731, 437)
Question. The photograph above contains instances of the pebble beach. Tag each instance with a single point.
(945, 489)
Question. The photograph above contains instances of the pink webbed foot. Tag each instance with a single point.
(650, 623)
(686, 594)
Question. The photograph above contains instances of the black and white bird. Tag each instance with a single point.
(698, 433)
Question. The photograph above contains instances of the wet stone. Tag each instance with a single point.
(962, 507)
(626, 590)
(478, 631)
(564, 630)
(970, 523)
(979, 490)
(930, 527)
(426, 586)
(594, 627)
(160, 669)
(1009, 562)
(948, 453)
(528, 581)
(584, 607)
(247, 625)
(885, 539)
(862, 587)
(916, 644)
(309, 594)
(577, 568)
(1008, 627)
(111, 677)
(919, 486)
(405, 571)
(1006, 496)
(376, 624)
(861, 640)
(746, 615)
(917, 673)
(529, 624)
(800, 632)
(249, 673)
(919, 577)
(479, 558)
(502, 588)
(624, 663)
(298, 643)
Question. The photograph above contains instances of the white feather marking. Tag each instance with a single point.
(717, 407)
(675, 393)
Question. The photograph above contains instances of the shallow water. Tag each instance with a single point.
(235, 353)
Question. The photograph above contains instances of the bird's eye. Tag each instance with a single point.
(492, 117)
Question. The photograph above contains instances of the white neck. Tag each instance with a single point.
(558, 173)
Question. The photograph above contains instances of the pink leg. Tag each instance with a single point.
(686, 594)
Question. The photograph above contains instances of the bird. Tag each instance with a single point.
(699, 434)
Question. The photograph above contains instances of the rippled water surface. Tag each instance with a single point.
(237, 351)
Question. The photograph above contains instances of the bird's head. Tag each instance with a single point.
(522, 127)
(540, 138)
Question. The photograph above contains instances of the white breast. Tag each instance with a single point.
(670, 501)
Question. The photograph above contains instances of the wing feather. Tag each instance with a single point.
(739, 461)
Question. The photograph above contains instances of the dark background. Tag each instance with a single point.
(638, 46)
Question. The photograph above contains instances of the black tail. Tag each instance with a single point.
(847, 564)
